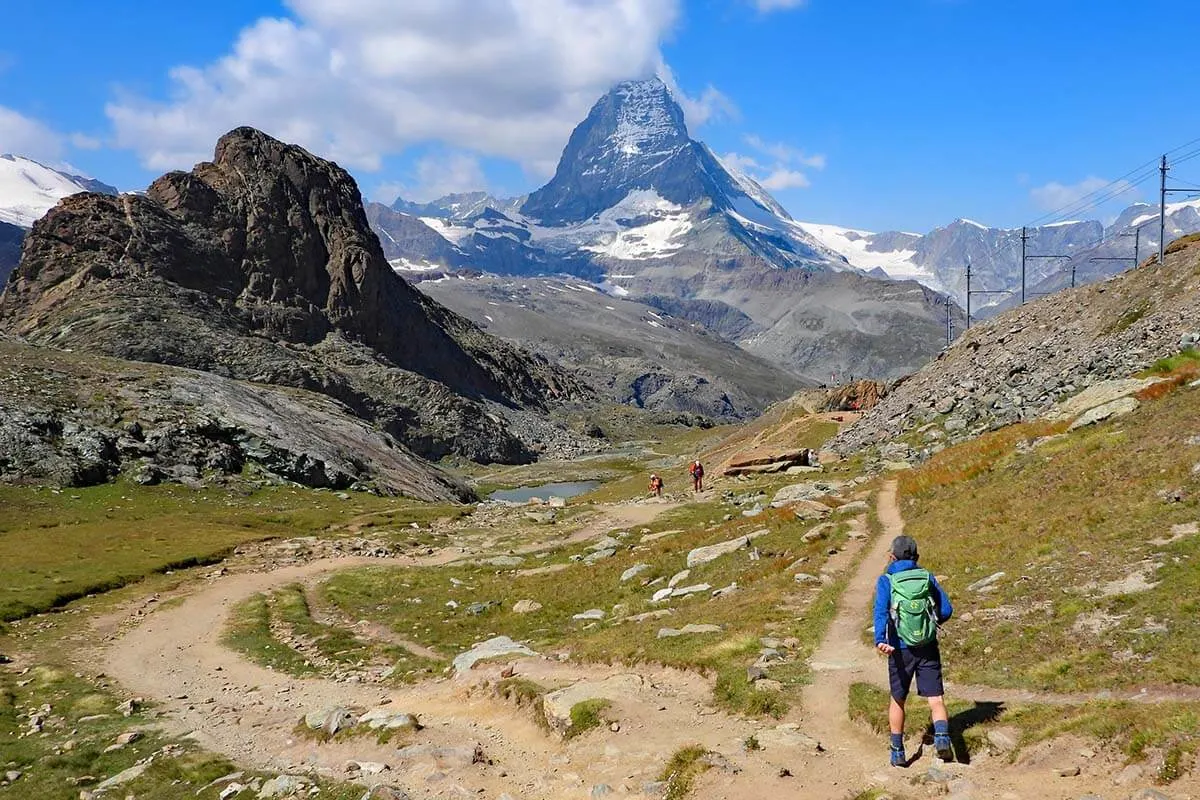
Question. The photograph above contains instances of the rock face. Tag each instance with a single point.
(95, 418)
(1020, 365)
(260, 265)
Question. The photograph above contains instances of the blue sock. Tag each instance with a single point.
(897, 741)
(941, 728)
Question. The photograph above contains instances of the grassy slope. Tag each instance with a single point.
(57, 546)
(1063, 521)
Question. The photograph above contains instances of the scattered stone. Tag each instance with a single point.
(810, 510)
(601, 790)
(599, 555)
(505, 561)
(1004, 739)
(1068, 772)
(129, 737)
(853, 507)
(331, 720)
(661, 594)
(654, 537)
(557, 502)
(804, 577)
(725, 590)
(787, 736)
(687, 630)
(386, 793)
(684, 591)
(13, 775)
(654, 788)
(384, 718)
(367, 767)
(526, 606)
(936, 775)
(556, 706)
(592, 614)
(633, 572)
(703, 555)
(755, 673)
(607, 543)
(986, 584)
(1117, 408)
(1099, 395)
(1131, 774)
(232, 790)
(125, 776)
(658, 614)
(1148, 794)
(497, 647)
(442, 757)
(678, 578)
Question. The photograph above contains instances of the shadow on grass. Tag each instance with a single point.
(962, 721)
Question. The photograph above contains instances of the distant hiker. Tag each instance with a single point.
(697, 472)
(909, 607)
(656, 485)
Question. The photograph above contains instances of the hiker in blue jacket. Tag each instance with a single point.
(909, 607)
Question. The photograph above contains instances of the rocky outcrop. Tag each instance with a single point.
(260, 265)
(73, 419)
(1021, 364)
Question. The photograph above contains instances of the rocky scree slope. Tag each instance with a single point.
(76, 419)
(1018, 365)
(260, 266)
(10, 249)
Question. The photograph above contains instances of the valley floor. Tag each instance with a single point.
(604, 707)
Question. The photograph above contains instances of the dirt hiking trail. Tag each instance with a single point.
(475, 744)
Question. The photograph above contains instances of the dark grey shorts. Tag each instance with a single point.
(923, 663)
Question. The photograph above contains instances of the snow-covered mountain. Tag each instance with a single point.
(28, 189)
(638, 206)
(938, 259)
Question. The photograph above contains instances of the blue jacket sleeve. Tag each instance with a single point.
(883, 593)
(945, 610)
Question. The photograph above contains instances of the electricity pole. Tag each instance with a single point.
(1024, 238)
(1162, 209)
(972, 292)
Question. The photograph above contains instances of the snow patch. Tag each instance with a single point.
(29, 189)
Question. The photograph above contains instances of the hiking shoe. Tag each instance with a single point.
(941, 745)
(897, 758)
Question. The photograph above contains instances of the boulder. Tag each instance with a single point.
(1117, 408)
(684, 591)
(526, 606)
(986, 584)
(123, 777)
(787, 736)
(384, 718)
(633, 572)
(688, 630)
(810, 510)
(331, 720)
(591, 614)
(703, 555)
(1098, 395)
(497, 647)
(556, 706)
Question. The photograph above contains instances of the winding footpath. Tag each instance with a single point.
(232, 706)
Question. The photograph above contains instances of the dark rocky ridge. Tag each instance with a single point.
(260, 265)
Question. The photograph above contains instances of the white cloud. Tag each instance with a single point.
(22, 135)
(1079, 197)
(785, 153)
(440, 175)
(766, 6)
(783, 178)
(711, 104)
(355, 80)
(780, 171)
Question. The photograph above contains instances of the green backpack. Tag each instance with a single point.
(913, 610)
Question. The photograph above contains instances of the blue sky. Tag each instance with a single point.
(878, 114)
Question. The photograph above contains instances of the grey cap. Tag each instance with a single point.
(904, 548)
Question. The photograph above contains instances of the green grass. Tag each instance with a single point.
(681, 771)
(249, 633)
(1187, 358)
(1096, 520)
(769, 602)
(587, 715)
(57, 546)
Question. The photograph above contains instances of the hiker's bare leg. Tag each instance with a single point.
(937, 709)
(896, 716)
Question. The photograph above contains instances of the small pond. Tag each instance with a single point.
(544, 491)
